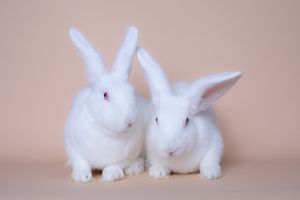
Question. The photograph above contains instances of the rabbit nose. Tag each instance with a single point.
(131, 117)
(129, 121)
(170, 150)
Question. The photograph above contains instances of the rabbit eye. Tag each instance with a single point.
(156, 120)
(105, 96)
(187, 121)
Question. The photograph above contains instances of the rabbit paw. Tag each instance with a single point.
(159, 172)
(112, 173)
(136, 167)
(82, 176)
(209, 173)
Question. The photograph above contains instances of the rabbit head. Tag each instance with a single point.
(111, 103)
(172, 122)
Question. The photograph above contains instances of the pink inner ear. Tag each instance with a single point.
(216, 91)
(204, 91)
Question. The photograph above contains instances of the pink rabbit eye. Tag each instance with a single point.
(105, 96)
(187, 121)
(156, 120)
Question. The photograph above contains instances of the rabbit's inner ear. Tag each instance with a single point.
(204, 91)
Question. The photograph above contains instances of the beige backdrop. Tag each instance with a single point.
(41, 70)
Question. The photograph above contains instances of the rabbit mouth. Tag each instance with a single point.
(123, 130)
(174, 153)
(170, 154)
(129, 125)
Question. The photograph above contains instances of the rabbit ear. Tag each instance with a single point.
(156, 78)
(94, 64)
(122, 65)
(204, 91)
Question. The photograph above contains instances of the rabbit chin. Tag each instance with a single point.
(121, 129)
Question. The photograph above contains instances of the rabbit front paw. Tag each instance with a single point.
(82, 176)
(159, 172)
(112, 173)
(209, 173)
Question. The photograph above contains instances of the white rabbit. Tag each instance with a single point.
(105, 127)
(182, 133)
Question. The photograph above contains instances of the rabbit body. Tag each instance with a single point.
(182, 133)
(205, 138)
(105, 127)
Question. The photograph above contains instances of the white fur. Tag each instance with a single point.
(105, 134)
(173, 146)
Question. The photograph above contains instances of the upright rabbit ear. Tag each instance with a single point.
(204, 91)
(156, 78)
(122, 65)
(94, 64)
